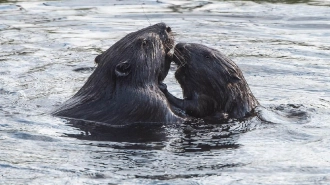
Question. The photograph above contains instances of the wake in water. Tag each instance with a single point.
(284, 114)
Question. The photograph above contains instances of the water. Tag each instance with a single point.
(282, 48)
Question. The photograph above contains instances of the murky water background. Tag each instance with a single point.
(282, 48)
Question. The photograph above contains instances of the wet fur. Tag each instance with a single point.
(212, 84)
(123, 89)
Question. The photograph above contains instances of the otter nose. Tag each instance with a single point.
(180, 46)
(168, 29)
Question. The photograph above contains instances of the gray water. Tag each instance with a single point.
(282, 48)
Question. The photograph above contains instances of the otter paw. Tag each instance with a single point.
(221, 115)
(162, 87)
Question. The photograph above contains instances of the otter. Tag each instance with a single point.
(123, 89)
(212, 84)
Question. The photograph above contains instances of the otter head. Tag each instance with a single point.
(141, 62)
(153, 39)
(203, 70)
(139, 57)
(201, 67)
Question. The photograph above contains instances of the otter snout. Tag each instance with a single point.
(166, 35)
(180, 51)
(181, 47)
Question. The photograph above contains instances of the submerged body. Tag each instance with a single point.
(123, 89)
(212, 84)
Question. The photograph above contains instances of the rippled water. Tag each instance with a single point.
(282, 48)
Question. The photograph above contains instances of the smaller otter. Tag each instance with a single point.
(212, 84)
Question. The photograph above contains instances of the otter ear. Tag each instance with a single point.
(123, 69)
(234, 79)
(97, 59)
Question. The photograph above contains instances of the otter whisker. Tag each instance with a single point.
(181, 59)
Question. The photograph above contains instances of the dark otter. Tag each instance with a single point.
(123, 89)
(212, 84)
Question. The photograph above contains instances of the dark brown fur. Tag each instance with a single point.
(123, 89)
(212, 84)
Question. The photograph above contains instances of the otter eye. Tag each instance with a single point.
(168, 29)
(206, 56)
(144, 42)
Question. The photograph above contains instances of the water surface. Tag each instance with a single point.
(282, 48)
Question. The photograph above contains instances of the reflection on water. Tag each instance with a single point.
(133, 133)
(190, 137)
(47, 53)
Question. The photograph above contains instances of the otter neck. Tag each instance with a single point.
(239, 100)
